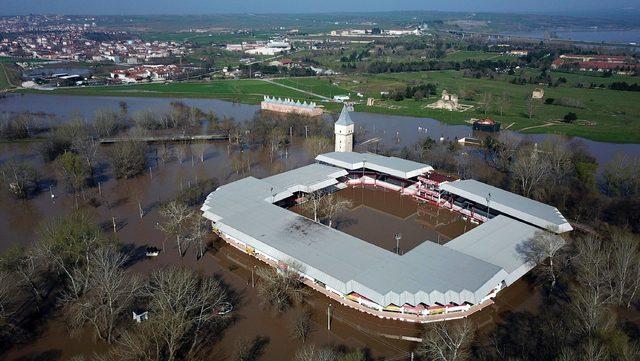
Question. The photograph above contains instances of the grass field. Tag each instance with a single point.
(613, 116)
(4, 81)
(463, 55)
(322, 86)
(246, 91)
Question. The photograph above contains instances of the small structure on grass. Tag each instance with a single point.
(449, 101)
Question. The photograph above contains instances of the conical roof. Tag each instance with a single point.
(344, 118)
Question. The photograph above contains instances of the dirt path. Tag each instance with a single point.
(537, 126)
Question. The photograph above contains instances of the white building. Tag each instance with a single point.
(344, 129)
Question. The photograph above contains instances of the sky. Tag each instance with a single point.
(127, 7)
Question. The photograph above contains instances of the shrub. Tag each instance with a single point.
(570, 117)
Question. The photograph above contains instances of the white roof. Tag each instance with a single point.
(397, 167)
(514, 205)
(465, 270)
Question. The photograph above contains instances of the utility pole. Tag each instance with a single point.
(488, 207)
(113, 220)
(398, 237)
(329, 309)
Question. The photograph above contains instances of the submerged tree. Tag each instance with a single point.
(73, 170)
(543, 247)
(332, 206)
(279, 289)
(20, 178)
(175, 217)
(447, 341)
(128, 158)
(108, 294)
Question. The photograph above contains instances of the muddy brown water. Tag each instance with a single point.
(119, 199)
(377, 214)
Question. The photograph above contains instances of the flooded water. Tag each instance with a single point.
(118, 200)
(377, 214)
(395, 132)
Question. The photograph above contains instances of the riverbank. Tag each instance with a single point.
(603, 115)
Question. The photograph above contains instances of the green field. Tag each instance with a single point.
(322, 86)
(463, 55)
(4, 80)
(605, 115)
(246, 91)
(614, 113)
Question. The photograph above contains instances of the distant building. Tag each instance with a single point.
(596, 63)
(344, 129)
(448, 101)
(290, 106)
(537, 93)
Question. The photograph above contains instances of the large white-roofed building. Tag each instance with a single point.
(430, 281)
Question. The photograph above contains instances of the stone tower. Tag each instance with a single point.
(344, 128)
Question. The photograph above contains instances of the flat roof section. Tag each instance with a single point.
(397, 167)
(514, 205)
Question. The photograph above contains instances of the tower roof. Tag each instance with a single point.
(344, 118)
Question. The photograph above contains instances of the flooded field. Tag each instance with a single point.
(378, 214)
(394, 132)
(119, 201)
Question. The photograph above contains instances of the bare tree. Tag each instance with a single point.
(543, 247)
(503, 103)
(200, 148)
(175, 217)
(276, 138)
(26, 271)
(107, 123)
(313, 204)
(314, 353)
(611, 268)
(128, 158)
(20, 178)
(332, 206)
(558, 155)
(279, 290)
(108, 296)
(625, 259)
(531, 170)
(183, 305)
(485, 102)
(317, 144)
(589, 311)
(447, 341)
(301, 325)
(181, 152)
(198, 232)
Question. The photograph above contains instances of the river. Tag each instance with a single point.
(395, 131)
